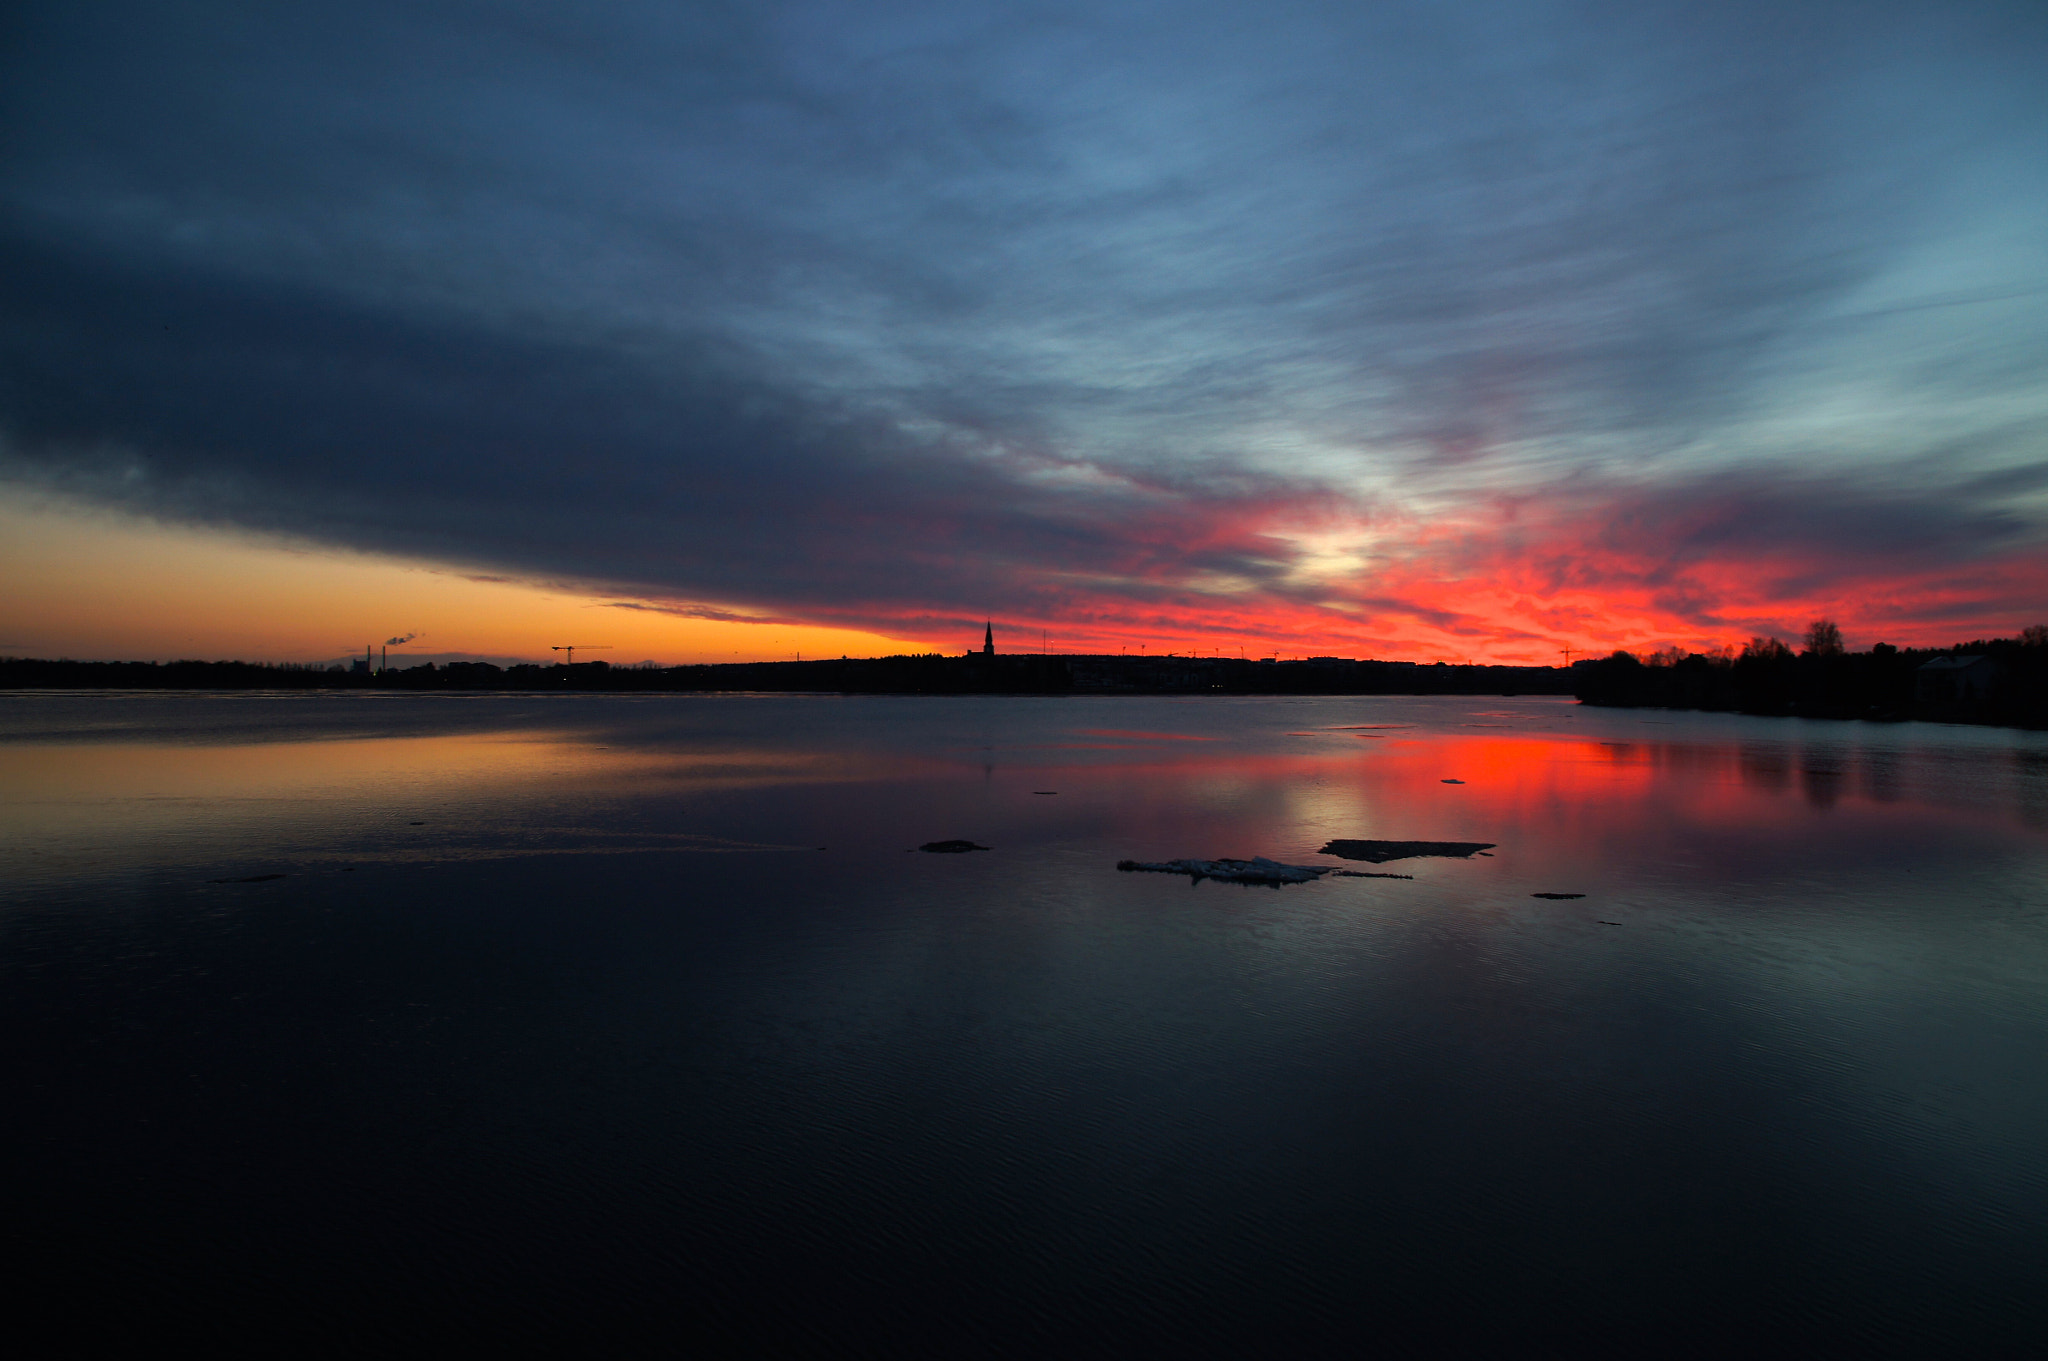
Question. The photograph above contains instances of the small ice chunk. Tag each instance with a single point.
(1257, 870)
(1379, 852)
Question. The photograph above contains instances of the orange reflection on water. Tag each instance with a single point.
(67, 807)
(1553, 806)
(1553, 802)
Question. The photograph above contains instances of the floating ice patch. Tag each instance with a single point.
(1257, 870)
(1379, 852)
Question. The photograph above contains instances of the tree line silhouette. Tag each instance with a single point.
(930, 674)
(1823, 679)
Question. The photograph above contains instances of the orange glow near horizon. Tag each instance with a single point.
(98, 585)
(95, 586)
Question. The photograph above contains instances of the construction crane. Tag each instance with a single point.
(573, 648)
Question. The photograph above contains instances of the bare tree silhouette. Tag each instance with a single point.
(1823, 639)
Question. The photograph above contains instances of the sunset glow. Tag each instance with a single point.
(801, 333)
(100, 587)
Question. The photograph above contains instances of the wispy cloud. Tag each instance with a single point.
(1364, 325)
(699, 612)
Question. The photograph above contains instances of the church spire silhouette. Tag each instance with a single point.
(988, 638)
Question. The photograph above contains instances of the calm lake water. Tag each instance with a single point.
(601, 1020)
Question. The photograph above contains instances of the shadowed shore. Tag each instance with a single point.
(1999, 681)
(933, 674)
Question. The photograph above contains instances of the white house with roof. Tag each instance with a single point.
(1966, 677)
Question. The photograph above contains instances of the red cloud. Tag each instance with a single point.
(1517, 580)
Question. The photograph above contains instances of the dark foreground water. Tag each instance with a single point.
(607, 1022)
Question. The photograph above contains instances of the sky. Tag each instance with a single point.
(1430, 331)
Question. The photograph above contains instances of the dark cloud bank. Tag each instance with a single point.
(890, 315)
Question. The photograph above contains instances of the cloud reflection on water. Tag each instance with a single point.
(1722, 797)
(1806, 1049)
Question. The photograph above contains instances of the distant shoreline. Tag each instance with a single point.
(1018, 674)
(1997, 682)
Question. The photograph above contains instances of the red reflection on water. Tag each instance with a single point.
(1561, 811)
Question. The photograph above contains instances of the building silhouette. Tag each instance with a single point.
(988, 638)
(1967, 678)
